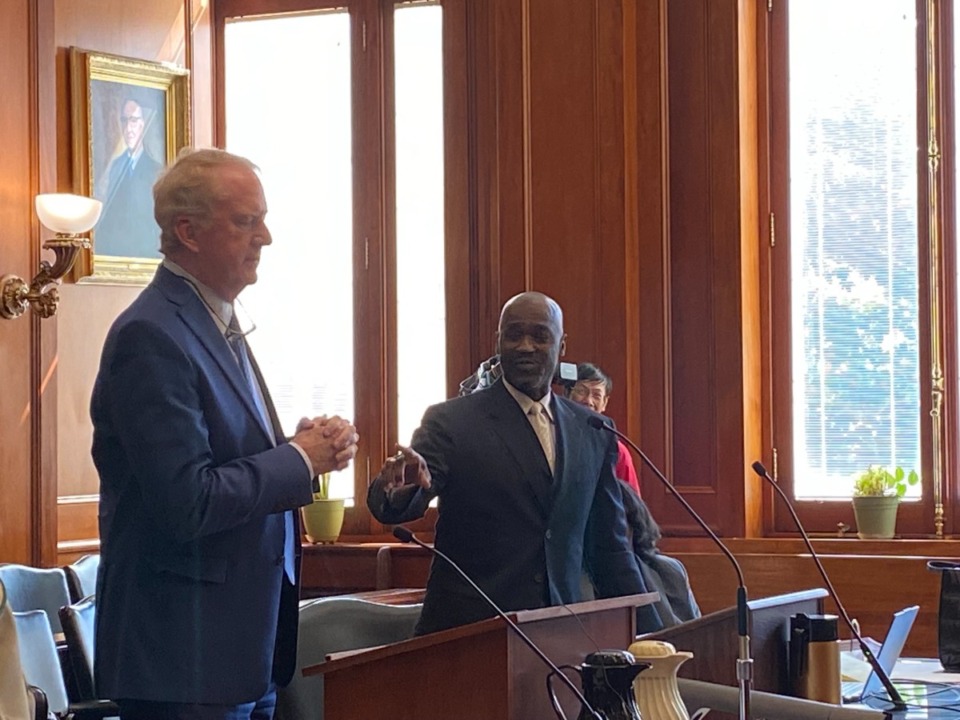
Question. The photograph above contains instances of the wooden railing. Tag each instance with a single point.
(873, 578)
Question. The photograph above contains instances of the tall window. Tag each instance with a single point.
(341, 106)
(854, 324)
(853, 241)
(418, 78)
(300, 137)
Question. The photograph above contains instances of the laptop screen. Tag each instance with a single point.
(892, 648)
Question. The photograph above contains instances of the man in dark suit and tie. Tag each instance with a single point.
(126, 226)
(528, 498)
(197, 593)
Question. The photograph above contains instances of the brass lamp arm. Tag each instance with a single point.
(42, 295)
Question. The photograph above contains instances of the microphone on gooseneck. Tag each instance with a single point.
(744, 663)
(895, 698)
(405, 535)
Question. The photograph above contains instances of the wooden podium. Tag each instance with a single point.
(481, 671)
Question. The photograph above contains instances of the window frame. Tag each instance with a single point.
(915, 519)
(374, 221)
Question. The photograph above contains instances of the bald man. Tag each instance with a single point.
(527, 493)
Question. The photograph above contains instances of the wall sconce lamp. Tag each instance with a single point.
(70, 217)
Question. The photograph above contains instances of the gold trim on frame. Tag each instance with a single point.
(85, 67)
(937, 380)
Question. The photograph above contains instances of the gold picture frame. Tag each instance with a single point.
(130, 118)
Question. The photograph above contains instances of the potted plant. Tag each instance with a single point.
(876, 497)
(323, 518)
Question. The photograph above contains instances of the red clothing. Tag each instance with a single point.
(624, 469)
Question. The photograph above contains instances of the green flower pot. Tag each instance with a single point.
(876, 516)
(322, 520)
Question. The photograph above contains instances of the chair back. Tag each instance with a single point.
(15, 702)
(30, 588)
(38, 657)
(78, 630)
(330, 625)
(82, 577)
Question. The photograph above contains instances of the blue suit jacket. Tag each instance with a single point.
(192, 602)
(522, 535)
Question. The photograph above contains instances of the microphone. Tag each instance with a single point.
(895, 698)
(744, 662)
(406, 536)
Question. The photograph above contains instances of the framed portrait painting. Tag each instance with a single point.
(130, 119)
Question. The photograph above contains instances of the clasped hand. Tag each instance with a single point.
(330, 443)
(407, 467)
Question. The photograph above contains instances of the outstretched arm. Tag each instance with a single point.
(402, 490)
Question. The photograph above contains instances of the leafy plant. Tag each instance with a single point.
(322, 491)
(877, 480)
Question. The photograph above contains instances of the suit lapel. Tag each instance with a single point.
(267, 399)
(197, 318)
(569, 444)
(521, 443)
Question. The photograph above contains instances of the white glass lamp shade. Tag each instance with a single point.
(68, 214)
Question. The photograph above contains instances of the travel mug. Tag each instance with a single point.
(815, 657)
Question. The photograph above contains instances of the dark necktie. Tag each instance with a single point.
(238, 344)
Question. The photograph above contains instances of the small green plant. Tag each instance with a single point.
(877, 480)
(323, 487)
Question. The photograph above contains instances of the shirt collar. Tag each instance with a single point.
(219, 309)
(526, 402)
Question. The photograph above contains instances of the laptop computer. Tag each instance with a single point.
(893, 643)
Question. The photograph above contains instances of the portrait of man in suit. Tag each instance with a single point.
(528, 499)
(127, 227)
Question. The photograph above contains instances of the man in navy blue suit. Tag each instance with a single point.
(528, 498)
(199, 576)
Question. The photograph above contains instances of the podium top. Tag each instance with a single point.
(352, 658)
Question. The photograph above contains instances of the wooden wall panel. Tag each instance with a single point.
(482, 216)
(17, 519)
(625, 186)
(617, 309)
(508, 206)
(647, 91)
(557, 203)
(691, 261)
(150, 31)
(77, 528)
(562, 165)
(85, 315)
(155, 31)
(711, 412)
